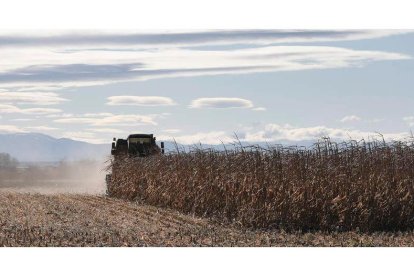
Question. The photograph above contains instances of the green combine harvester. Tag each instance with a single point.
(135, 145)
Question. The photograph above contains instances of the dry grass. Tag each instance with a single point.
(353, 186)
(85, 220)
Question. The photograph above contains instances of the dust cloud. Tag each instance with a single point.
(85, 177)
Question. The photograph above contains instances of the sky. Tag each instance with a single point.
(208, 86)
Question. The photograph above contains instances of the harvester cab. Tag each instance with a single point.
(141, 145)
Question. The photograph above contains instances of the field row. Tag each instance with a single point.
(82, 220)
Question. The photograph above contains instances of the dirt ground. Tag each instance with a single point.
(89, 220)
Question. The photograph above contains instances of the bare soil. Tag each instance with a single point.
(89, 220)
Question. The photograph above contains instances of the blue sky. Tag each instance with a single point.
(204, 86)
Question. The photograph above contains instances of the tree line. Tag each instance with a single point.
(7, 161)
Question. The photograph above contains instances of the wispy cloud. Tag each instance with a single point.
(106, 130)
(35, 98)
(171, 130)
(88, 137)
(221, 103)
(9, 109)
(106, 120)
(94, 39)
(212, 137)
(10, 129)
(23, 120)
(350, 118)
(47, 67)
(259, 109)
(409, 120)
(140, 100)
(40, 128)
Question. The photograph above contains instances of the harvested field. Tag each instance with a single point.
(87, 220)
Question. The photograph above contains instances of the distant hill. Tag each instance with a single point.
(36, 147)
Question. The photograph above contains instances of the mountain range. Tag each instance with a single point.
(37, 147)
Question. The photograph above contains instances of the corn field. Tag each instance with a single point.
(365, 186)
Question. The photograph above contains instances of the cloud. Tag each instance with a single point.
(118, 120)
(259, 109)
(171, 130)
(23, 119)
(212, 138)
(409, 120)
(375, 120)
(140, 100)
(221, 103)
(10, 129)
(40, 128)
(350, 118)
(84, 137)
(35, 98)
(121, 39)
(107, 130)
(44, 67)
(9, 109)
(275, 133)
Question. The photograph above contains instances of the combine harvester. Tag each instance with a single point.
(136, 145)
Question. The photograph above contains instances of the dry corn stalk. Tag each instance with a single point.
(352, 185)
